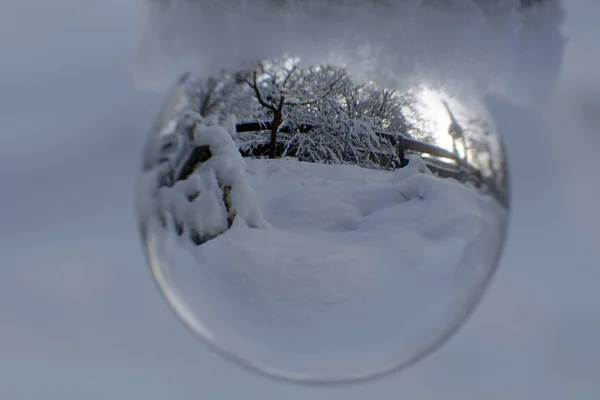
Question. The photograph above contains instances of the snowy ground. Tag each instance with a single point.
(343, 257)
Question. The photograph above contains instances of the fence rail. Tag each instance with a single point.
(404, 143)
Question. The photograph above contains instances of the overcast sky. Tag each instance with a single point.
(80, 317)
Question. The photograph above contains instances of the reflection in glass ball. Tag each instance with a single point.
(316, 227)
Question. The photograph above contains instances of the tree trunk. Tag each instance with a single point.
(277, 120)
(274, 130)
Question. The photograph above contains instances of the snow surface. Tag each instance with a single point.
(322, 261)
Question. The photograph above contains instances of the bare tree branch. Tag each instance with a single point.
(254, 86)
(289, 75)
(321, 98)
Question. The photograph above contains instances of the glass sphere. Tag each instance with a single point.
(325, 213)
(341, 231)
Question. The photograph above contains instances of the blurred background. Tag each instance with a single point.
(80, 317)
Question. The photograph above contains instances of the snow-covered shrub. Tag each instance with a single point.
(201, 189)
(343, 142)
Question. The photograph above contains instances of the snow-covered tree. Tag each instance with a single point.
(220, 96)
(282, 85)
(316, 113)
(386, 110)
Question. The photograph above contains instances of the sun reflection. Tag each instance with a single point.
(431, 106)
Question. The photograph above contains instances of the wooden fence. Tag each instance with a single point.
(455, 167)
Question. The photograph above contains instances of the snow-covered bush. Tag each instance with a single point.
(210, 191)
(343, 142)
